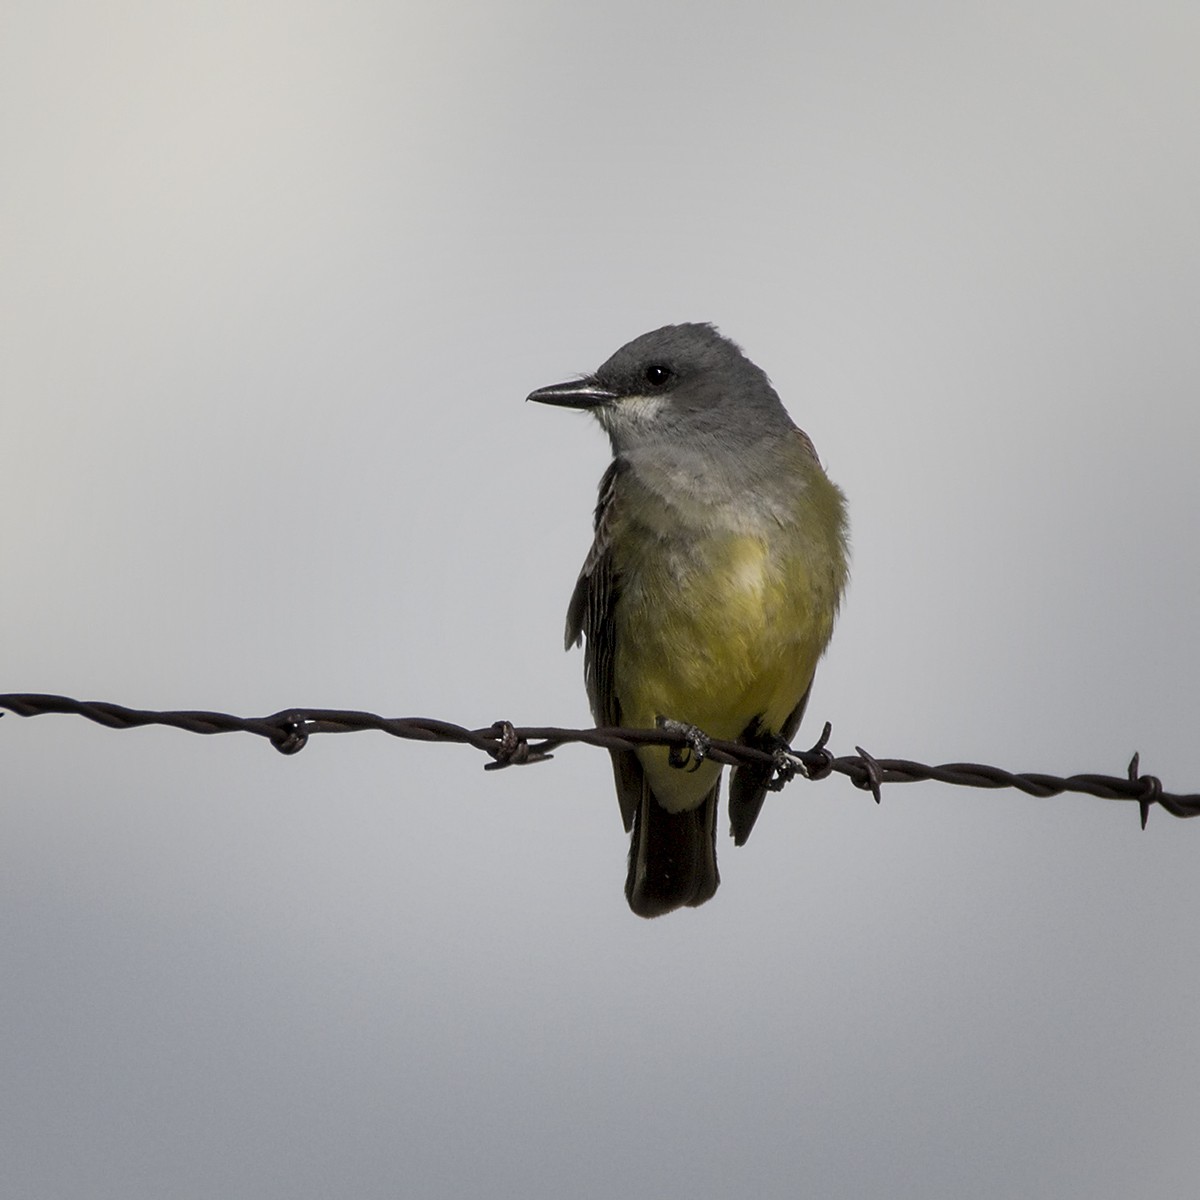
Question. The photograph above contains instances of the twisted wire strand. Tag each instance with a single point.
(510, 745)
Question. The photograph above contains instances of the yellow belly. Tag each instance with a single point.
(717, 630)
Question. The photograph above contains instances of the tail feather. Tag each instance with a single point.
(672, 856)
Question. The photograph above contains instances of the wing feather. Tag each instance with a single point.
(590, 616)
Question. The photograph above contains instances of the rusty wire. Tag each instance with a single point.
(510, 745)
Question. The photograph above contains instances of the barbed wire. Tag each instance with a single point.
(510, 745)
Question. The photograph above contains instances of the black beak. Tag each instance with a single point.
(578, 393)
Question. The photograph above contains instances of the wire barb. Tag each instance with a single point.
(818, 762)
(508, 745)
(1151, 788)
(291, 734)
(872, 775)
(511, 748)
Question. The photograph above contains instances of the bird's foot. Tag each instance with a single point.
(697, 748)
(813, 764)
(787, 765)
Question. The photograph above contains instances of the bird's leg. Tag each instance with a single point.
(697, 748)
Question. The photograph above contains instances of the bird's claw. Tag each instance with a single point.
(697, 748)
(814, 764)
(787, 765)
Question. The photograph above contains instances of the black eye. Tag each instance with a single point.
(657, 374)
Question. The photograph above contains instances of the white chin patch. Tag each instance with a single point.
(630, 413)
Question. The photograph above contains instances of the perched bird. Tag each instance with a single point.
(709, 593)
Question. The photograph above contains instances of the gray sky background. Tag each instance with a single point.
(276, 280)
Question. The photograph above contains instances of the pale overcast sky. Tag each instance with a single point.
(277, 278)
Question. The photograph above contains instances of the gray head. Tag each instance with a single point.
(679, 384)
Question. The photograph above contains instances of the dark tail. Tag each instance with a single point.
(672, 856)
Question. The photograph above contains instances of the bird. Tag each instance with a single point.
(718, 564)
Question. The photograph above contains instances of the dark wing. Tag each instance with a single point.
(590, 615)
(748, 785)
